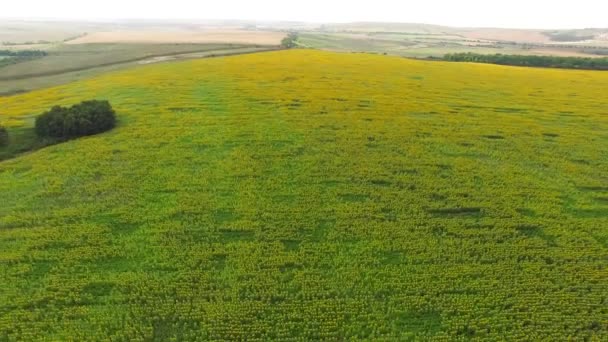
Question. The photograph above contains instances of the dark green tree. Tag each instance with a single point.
(4, 139)
(86, 118)
(290, 41)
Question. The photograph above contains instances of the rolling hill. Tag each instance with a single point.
(313, 195)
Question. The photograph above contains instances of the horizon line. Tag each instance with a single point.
(285, 21)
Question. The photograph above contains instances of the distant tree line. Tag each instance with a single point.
(568, 36)
(584, 48)
(531, 61)
(601, 52)
(8, 57)
(86, 118)
(23, 53)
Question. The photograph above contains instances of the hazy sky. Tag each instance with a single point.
(494, 13)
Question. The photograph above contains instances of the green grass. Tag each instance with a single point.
(307, 195)
(22, 140)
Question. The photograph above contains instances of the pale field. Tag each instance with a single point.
(560, 53)
(528, 36)
(22, 31)
(601, 43)
(185, 36)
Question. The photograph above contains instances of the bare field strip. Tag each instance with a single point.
(203, 36)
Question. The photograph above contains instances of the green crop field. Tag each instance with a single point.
(306, 195)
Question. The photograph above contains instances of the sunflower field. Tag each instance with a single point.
(303, 195)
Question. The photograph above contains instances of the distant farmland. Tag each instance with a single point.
(421, 41)
(182, 36)
(71, 62)
(79, 50)
(308, 195)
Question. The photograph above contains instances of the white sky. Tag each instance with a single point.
(488, 13)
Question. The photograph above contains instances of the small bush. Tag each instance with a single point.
(86, 118)
(3, 137)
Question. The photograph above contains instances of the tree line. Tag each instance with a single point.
(8, 57)
(531, 61)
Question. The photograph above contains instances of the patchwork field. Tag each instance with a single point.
(66, 63)
(418, 45)
(423, 41)
(78, 50)
(304, 195)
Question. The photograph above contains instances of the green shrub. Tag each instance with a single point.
(86, 118)
(3, 137)
(290, 41)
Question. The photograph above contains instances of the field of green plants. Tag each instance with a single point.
(306, 195)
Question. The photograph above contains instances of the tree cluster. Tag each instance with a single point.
(86, 118)
(532, 61)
